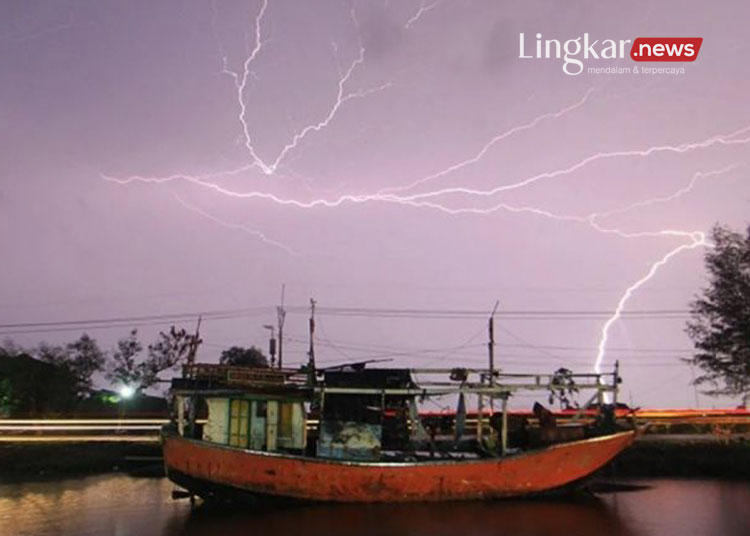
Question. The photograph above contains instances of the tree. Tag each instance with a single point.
(237, 355)
(81, 358)
(32, 387)
(85, 358)
(123, 368)
(720, 324)
(168, 352)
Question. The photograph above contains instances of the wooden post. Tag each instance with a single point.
(272, 426)
(616, 383)
(480, 417)
(180, 401)
(504, 431)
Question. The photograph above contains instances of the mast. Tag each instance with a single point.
(311, 351)
(491, 343)
(280, 316)
(195, 342)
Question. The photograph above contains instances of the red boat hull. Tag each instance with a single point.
(200, 466)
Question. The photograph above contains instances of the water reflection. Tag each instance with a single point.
(471, 519)
(122, 505)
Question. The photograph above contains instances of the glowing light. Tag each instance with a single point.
(126, 391)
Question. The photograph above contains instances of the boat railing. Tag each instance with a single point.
(233, 375)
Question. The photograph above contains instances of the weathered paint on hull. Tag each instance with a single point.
(312, 479)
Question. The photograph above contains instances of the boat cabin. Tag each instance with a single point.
(359, 426)
(242, 407)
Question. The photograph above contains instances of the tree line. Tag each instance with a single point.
(60, 378)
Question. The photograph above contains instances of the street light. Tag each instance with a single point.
(126, 391)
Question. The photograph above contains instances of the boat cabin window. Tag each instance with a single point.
(257, 424)
(239, 413)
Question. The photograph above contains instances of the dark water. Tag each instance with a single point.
(122, 505)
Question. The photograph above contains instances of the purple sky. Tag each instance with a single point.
(97, 96)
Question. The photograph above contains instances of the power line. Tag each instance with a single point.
(354, 311)
(451, 314)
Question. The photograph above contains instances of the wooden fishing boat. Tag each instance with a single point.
(355, 434)
(215, 471)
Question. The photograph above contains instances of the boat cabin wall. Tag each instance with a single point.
(257, 424)
(216, 429)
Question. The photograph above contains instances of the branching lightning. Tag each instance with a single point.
(679, 193)
(235, 226)
(461, 198)
(487, 146)
(698, 239)
(719, 139)
(241, 83)
(423, 8)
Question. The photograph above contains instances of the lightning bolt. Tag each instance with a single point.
(719, 139)
(487, 146)
(419, 200)
(698, 240)
(434, 199)
(234, 226)
(421, 11)
(679, 193)
(241, 83)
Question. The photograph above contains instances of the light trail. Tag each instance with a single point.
(40, 424)
(77, 428)
(80, 439)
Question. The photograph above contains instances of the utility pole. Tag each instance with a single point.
(311, 351)
(195, 343)
(281, 315)
(491, 343)
(616, 384)
(271, 344)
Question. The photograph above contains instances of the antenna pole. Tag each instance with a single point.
(491, 343)
(281, 315)
(194, 344)
(311, 351)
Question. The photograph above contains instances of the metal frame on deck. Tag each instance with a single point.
(493, 385)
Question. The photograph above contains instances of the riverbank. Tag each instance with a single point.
(693, 456)
(50, 460)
